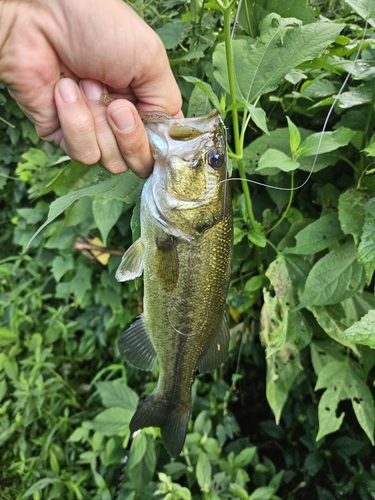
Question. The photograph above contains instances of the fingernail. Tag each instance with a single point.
(92, 90)
(124, 119)
(68, 90)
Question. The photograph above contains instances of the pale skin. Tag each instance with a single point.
(58, 56)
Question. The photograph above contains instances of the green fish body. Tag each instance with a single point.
(185, 252)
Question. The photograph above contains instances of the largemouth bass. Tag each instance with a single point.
(185, 252)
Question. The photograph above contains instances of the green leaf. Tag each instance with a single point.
(113, 421)
(352, 212)
(61, 265)
(7, 336)
(207, 89)
(294, 136)
(334, 278)
(138, 450)
(366, 246)
(40, 485)
(245, 457)
(274, 159)
(238, 491)
(199, 104)
(171, 33)
(106, 212)
(318, 236)
(365, 8)
(204, 472)
(331, 318)
(325, 142)
(363, 331)
(261, 66)
(343, 382)
(117, 393)
(125, 187)
(282, 369)
(258, 115)
(78, 286)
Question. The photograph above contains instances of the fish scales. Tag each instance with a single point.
(185, 252)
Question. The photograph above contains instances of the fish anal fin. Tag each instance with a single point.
(132, 262)
(172, 418)
(135, 343)
(216, 351)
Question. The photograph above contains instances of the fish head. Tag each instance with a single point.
(190, 167)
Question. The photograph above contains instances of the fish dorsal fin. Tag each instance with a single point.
(216, 351)
(135, 343)
(132, 262)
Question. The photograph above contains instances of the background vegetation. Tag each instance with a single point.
(291, 413)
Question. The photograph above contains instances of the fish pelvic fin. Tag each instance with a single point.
(217, 350)
(172, 418)
(136, 344)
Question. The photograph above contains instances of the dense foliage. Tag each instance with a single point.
(291, 413)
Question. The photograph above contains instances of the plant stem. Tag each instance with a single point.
(366, 127)
(287, 207)
(238, 145)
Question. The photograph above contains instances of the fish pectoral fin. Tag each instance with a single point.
(135, 343)
(172, 418)
(216, 351)
(132, 262)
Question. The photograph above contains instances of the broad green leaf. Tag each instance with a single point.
(204, 472)
(142, 473)
(117, 393)
(282, 369)
(365, 8)
(125, 187)
(199, 104)
(207, 89)
(261, 66)
(78, 286)
(352, 212)
(331, 318)
(366, 246)
(137, 450)
(7, 336)
(39, 485)
(258, 115)
(325, 142)
(171, 33)
(113, 421)
(294, 136)
(342, 382)
(61, 265)
(334, 278)
(106, 212)
(318, 236)
(363, 331)
(239, 491)
(245, 456)
(274, 159)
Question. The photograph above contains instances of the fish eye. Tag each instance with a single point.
(215, 158)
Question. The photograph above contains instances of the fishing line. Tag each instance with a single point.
(336, 98)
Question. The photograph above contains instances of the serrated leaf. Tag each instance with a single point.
(318, 235)
(113, 421)
(274, 159)
(106, 212)
(363, 331)
(342, 382)
(334, 278)
(261, 66)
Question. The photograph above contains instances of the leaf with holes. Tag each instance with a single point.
(343, 382)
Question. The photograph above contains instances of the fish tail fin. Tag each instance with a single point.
(172, 418)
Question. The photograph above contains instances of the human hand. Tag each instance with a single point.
(57, 57)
